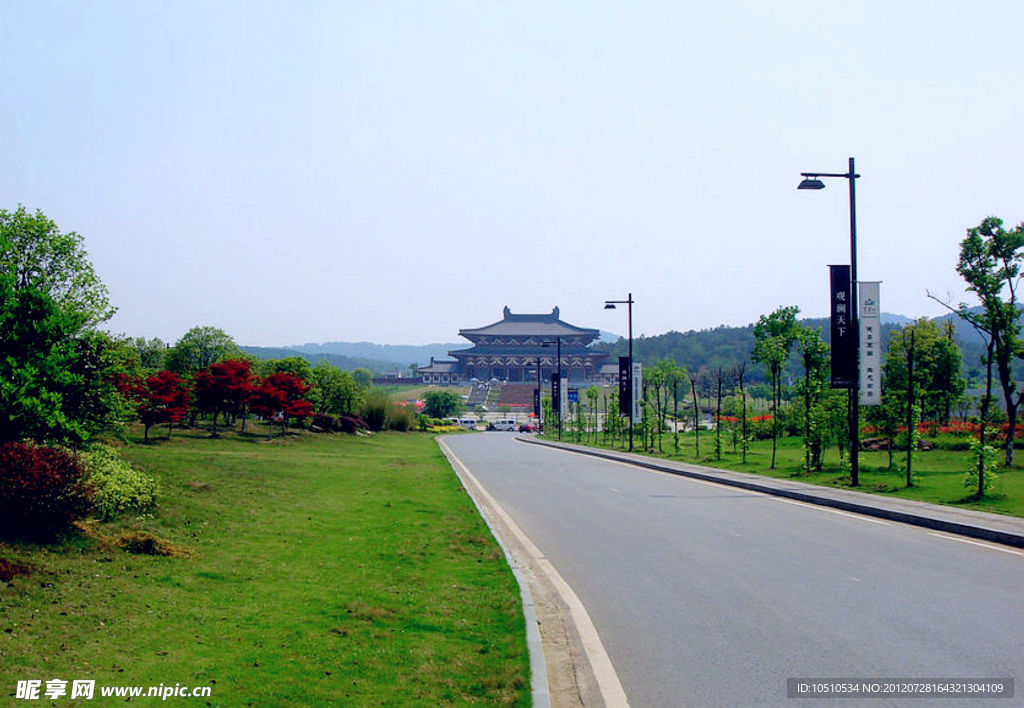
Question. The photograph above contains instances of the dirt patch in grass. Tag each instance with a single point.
(146, 544)
(10, 570)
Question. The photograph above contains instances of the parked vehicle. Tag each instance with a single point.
(503, 424)
(467, 423)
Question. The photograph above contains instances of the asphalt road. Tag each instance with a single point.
(708, 595)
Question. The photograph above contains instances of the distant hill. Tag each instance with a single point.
(721, 346)
(378, 358)
(400, 354)
(346, 363)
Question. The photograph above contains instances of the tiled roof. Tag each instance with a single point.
(528, 351)
(439, 367)
(524, 325)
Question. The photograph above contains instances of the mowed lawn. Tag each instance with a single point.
(309, 571)
(938, 475)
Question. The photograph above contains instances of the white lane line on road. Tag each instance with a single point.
(976, 543)
(613, 489)
(604, 671)
(834, 511)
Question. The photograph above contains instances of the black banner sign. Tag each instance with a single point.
(625, 385)
(844, 337)
(556, 393)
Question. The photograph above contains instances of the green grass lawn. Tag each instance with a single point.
(938, 474)
(310, 571)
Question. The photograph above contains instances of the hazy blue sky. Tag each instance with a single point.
(394, 171)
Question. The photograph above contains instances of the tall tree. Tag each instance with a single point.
(163, 397)
(441, 404)
(56, 369)
(773, 339)
(741, 372)
(363, 377)
(334, 391)
(200, 347)
(921, 372)
(35, 253)
(990, 258)
(813, 353)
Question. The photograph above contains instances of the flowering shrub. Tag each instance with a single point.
(119, 486)
(42, 490)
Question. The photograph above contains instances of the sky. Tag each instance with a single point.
(394, 172)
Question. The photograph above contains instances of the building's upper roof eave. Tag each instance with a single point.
(541, 325)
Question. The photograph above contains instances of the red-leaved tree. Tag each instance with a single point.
(225, 388)
(280, 397)
(163, 398)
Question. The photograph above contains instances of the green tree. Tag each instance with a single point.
(441, 404)
(200, 347)
(56, 370)
(151, 353)
(296, 365)
(334, 391)
(363, 377)
(814, 355)
(989, 262)
(36, 255)
(921, 372)
(593, 394)
(774, 335)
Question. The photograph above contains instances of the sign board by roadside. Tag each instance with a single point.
(638, 387)
(870, 344)
(844, 353)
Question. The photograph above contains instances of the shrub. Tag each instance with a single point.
(986, 455)
(42, 490)
(401, 418)
(375, 410)
(325, 423)
(119, 487)
(351, 424)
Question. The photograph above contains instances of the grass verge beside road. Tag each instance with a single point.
(937, 474)
(309, 571)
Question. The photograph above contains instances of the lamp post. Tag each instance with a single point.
(610, 305)
(555, 405)
(537, 406)
(812, 181)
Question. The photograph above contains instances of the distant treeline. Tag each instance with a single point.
(727, 346)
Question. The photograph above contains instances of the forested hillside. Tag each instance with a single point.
(345, 363)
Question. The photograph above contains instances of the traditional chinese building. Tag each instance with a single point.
(510, 349)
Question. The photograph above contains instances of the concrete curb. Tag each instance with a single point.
(929, 516)
(538, 668)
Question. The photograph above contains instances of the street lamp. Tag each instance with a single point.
(555, 405)
(812, 181)
(610, 305)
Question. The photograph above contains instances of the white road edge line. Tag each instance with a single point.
(976, 543)
(604, 672)
(834, 511)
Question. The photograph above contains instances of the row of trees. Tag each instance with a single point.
(63, 380)
(921, 374)
(226, 389)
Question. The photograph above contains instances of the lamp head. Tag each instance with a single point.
(609, 306)
(811, 182)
